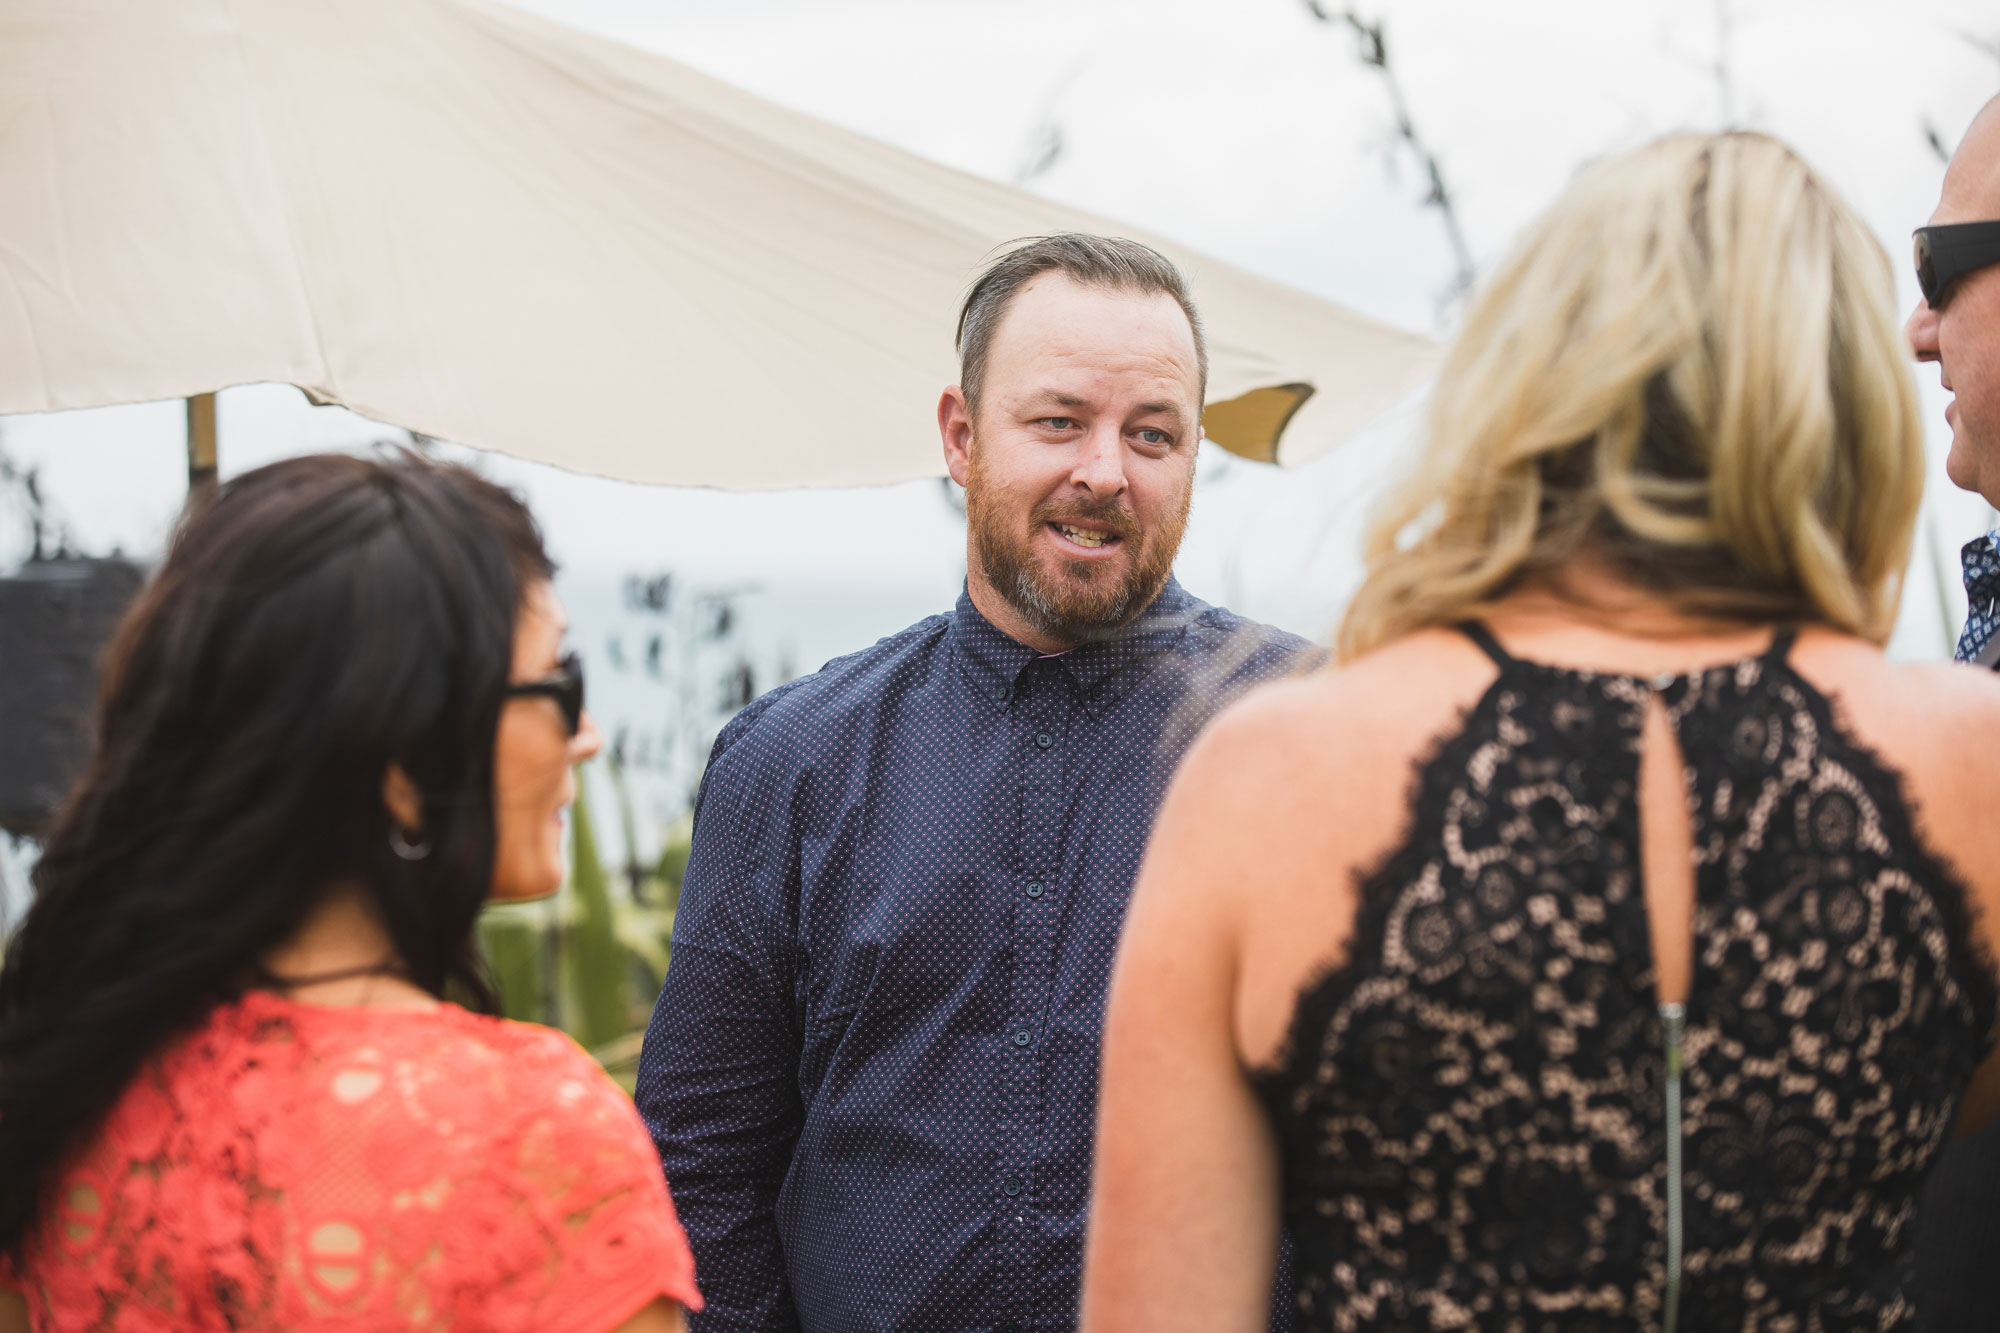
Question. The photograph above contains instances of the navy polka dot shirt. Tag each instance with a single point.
(872, 1074)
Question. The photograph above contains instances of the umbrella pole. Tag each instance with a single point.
(200, 451)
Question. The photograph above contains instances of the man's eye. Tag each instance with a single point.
(1059, 423)
(1152, 436)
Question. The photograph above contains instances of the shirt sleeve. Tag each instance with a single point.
(718, 1078)
(590, 1164)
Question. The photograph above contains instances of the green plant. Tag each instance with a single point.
(598, 978)
(513, 946)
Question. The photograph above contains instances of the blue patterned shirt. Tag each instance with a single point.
(872, 1074)
(1980, 559)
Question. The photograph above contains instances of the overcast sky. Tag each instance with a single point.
(1243, 128)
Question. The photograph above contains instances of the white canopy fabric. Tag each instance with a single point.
(462, 219)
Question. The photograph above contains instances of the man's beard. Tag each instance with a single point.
(1078, 601)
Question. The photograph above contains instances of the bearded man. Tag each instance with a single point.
(872, 1074)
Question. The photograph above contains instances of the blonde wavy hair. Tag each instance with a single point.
(1690, 371)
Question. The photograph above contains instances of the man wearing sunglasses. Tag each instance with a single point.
(872, 1074)
(1957, 325)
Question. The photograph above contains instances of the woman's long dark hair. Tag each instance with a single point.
(325, 617)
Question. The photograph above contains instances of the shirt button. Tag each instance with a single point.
(1011, 1186)
(1043, 740)
(1023, 1037)
(1034, 888)
(1002, 694)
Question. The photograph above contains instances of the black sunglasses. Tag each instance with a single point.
(1947, 253)
(564, 685)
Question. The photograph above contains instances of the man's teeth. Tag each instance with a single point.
(1083, 536)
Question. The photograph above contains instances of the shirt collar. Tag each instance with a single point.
(1103, 671)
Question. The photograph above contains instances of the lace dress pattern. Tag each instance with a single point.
(293, 1167)
(1470, 1104)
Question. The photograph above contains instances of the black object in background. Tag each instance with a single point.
(55, 616)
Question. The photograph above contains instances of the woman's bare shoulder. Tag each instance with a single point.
(1303, 760)
(1914, 711)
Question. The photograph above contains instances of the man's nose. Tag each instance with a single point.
(1100, 463)
(1922, 330)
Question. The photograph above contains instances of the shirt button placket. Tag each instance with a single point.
(1042, 701)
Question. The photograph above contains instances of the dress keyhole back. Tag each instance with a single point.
(1655, 1019)
(1666, 853)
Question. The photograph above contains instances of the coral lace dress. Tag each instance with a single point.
(288, 1166)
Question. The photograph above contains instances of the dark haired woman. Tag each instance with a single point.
(232, 1094)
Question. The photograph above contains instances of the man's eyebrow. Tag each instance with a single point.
(1164, 407)
(1060, 399)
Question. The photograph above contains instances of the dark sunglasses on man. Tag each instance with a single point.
(1947, 253)
(564, 685)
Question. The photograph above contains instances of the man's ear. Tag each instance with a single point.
(955, 430)
(406, 808)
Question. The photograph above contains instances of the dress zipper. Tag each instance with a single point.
(1674, 1016)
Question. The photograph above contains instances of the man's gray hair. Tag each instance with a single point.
(1092, 261)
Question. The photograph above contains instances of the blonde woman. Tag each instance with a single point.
(1593, 948)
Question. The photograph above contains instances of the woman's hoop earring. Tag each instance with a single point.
(406, 849)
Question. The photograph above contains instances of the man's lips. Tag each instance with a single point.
(1085, 537)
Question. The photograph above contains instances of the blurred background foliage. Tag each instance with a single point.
(591, 959)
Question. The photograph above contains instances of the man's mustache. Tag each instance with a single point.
(1107, 513)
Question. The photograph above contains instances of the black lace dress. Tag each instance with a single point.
(1489, 1122)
